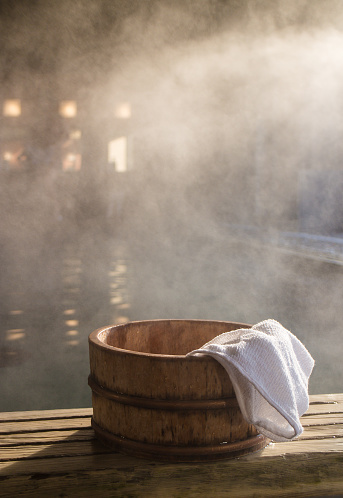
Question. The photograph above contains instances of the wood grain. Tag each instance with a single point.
(146, 391)
(60, 460)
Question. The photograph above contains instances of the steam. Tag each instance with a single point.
(236, 112)
(235, 123)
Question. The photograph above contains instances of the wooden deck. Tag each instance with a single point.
(54, 453)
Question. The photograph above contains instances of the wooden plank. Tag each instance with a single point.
(303, 446)
(73, 448)
(86, 434)
(45, 414)
(79, 423)
(58, 436)
(46, 437)
(62, 448)
(316, 400)
(324, 398)
(44, 425)
(71, 464)
(322, 431)
(119, 475)
(322, 419)
(318, 404)
(112, 460)
(332, 407)
(50, 456)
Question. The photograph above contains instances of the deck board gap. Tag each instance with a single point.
(50, 457)
(40, 419)
(36, 431)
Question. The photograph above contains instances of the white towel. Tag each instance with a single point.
(269, 369)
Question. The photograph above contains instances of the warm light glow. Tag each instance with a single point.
(72, 162)
(122, 319)
(72, 323)
(72, 343)
(117, 153)
(15, 334)
(69, 312)
(75, 135)
(72, 332)
(14, 156)
(8, 156)
(12, 108)
(116, 300)
(68, 108)
(123, 110)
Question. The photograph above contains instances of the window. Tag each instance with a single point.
(117, 154)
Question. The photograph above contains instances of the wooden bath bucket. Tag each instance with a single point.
(150, 400)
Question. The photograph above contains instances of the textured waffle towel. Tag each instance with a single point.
(269, 369)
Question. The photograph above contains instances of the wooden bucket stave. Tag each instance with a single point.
(150, 400)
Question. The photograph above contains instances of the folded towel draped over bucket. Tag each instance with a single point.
(269, 369)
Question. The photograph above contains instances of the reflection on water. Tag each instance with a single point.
(55, 297)
(48, 308)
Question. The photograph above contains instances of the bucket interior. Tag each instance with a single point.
(165, 337)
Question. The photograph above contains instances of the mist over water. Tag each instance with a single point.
(234, 128)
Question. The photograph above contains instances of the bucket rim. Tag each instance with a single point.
(94, 339)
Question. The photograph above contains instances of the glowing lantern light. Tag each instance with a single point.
(12, 108)
(68, 109)
(71, 162)
(8, 156)
(123, 110)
